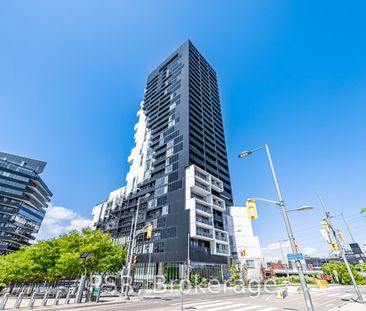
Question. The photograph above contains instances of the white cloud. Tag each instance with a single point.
(272, 252)
(60, 220)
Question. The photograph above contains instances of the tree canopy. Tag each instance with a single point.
(342, 273)
(55, 259)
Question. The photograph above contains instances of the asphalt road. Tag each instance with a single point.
(323, 300)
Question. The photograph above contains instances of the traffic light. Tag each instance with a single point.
(334, 246)
(149, 231)
(325, 223)
(340, 235)
(252, 209)
(243, 252)
(135, 259)
(296, 246)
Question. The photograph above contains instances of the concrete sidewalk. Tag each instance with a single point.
(109, 300)
(351, 306)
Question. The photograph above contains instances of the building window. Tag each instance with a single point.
(170, 143)
(169, 152)
(169, 169)
(151, 203)
(161, 191)
(165, 210)
(250, 264)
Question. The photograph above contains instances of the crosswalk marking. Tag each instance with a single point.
(219, 305)
(233, 305)
(197, 302)
(209, 304)
(248, 308)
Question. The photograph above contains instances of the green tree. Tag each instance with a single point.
(52, 260)
(362, 267)
(341, 270)
(363, 211)
(234, 273)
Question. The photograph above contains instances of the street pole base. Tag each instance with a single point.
(126, 298)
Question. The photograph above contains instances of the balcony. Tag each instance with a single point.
(201, 189)
(223, 251)
(218, 203)
(218, 217)
(200, 198)
(221, 236)
(207, 222)
(204, 233)
(217, 185)
(201, 176)
(201, 249)
(202, 208)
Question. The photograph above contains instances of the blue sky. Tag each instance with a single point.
(292, 74)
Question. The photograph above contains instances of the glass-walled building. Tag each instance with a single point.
(24, 198)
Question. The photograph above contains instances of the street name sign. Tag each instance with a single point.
(295, 256)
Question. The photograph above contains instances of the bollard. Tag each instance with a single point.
(67, 299)
(31, 301)
(44, 300)
(4, 301)
(57, 298)
(18, 301)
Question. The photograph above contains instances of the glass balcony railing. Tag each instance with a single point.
(221, 237)
(206, 234)
(200, 175)
(204, 221)
(221, 251)
(196, 196)
(217, 184)
(202, 186)
(218, 203)
(203, 208)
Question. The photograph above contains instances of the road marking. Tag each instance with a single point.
(208, 304)
(198, 302)
(248, 308)
(232, 305)
(332, 295)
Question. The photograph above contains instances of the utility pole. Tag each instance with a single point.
(335, 234)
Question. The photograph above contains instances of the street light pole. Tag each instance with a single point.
(329, 220)
(290, 234)
(284, 262)
(129, 268)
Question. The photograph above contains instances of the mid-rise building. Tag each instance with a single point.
(179, 174)
(24, 198)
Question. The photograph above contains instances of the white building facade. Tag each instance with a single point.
(245, 246)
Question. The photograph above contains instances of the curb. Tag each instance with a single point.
(77, 306)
